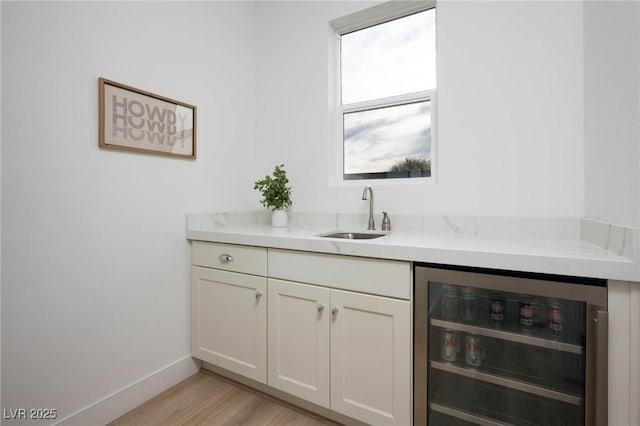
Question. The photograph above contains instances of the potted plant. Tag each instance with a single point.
(276, 195)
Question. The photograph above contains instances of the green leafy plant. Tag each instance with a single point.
(276, 195)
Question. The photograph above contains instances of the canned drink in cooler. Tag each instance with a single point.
(497, 309)
(473, 352)
(468, 304)
(526, 313)
(449, 345)
(555, 317)
(449, 302)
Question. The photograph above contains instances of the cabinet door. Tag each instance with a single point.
(298, 344)
(371, 358)
(229, 321)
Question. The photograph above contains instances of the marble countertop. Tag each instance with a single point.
(551, 246)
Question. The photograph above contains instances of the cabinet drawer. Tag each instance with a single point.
(390, 278)
(230, 257)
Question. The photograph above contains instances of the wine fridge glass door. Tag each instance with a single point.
(502, 350)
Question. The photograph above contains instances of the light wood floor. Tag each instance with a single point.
(209, 399)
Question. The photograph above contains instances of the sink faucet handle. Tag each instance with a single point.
(386, 222)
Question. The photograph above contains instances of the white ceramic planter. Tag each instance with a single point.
(279, 218)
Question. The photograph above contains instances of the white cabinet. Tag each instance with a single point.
(229, 312)
(624, 347)
(299, 340)
(336, 330)
(371, 358)
(383, 277)
(362, 342)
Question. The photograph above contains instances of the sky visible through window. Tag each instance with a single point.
(378, 138)
(390, 59)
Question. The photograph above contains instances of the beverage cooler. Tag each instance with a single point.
(497, 348)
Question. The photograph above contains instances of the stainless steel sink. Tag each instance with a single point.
(353, 235)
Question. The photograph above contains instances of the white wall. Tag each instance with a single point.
(95, 278)
(612, 111)
(510, 92)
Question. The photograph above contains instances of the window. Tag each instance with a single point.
(387, 83)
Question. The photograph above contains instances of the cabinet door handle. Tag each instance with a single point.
(258, 294)
(320, 307)
(334, 310)
(225, 258)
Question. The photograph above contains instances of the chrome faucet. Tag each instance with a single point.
(372, 225)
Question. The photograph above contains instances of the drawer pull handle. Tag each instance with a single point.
(258, 294)
(320, 307)
(334, 310)
(225, 258)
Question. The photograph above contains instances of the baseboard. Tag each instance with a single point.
(124, 400)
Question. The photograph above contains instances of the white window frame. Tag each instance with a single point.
(356, 21)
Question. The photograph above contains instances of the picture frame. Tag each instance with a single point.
(136, 120)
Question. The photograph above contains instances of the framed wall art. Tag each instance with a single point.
(136, 120)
